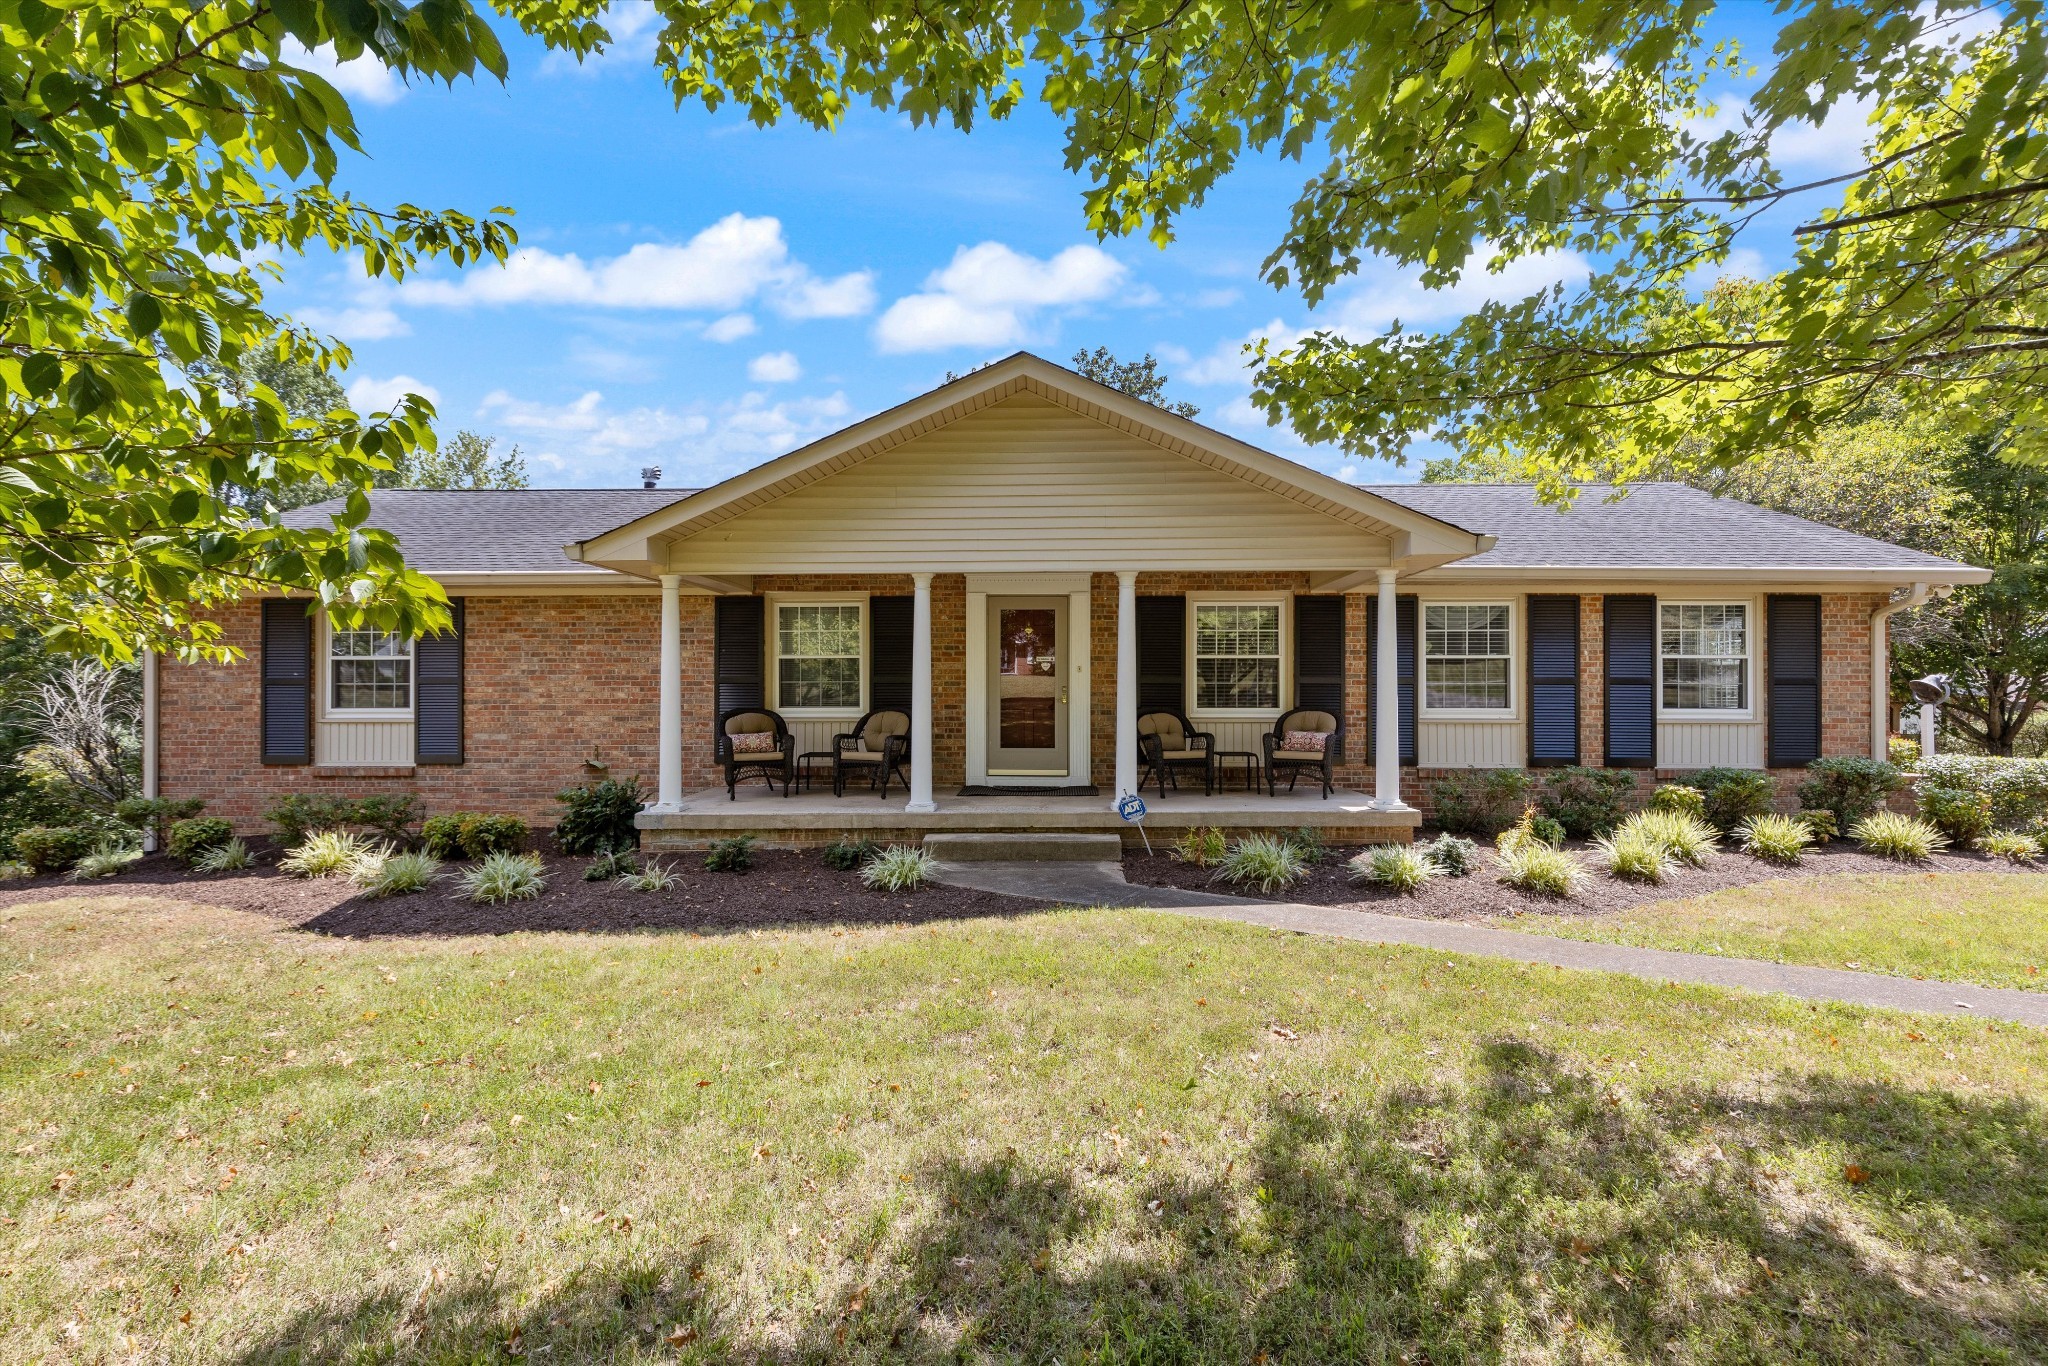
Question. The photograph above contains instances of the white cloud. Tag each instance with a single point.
(365, 78)
(587, 440)
(776, 367)
(1744, 263)
(731, 328)
(1229, 363)
(734, 261)
(633, 25)
(610, 362)
(1385, 294)
(369, 394)
(369, 320)
(990, 295)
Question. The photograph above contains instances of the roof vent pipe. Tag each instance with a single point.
(650, 476)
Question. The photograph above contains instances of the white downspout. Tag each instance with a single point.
(149, 742)
(1881, 665)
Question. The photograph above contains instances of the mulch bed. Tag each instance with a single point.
(1480, 896)
(784, 890)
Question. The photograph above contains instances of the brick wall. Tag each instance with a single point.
(1592, 679)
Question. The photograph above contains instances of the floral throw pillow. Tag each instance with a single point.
(1304, 741)
(754, 742)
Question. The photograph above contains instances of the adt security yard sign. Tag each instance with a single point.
(1132, 808)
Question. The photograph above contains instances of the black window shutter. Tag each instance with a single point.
(287, 705)
(890, 625)
(437, 692)
(739, 655)
(1319, 653)
(1792, 650)
(1404, 672)
(1631, 645)
(1163, 651)
(1553, 680)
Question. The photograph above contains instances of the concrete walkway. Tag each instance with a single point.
(1102, 884)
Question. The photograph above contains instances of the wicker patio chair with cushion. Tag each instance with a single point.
(1304, 740)
(755, 740)
(1168, 742)
(878, 745)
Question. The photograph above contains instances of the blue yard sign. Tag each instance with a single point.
(1132, 808)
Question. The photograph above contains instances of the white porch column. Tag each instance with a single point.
(1386, 687)
(1126, 682)
(921, 697)
(669, 791)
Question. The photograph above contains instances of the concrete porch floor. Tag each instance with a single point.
(815, 817)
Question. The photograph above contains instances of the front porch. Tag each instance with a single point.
(816, 818)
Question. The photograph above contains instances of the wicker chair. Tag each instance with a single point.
(878, 744)
(1168, 742)
(1294, 762)
(777, 762)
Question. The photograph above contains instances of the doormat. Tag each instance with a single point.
(1030, 792)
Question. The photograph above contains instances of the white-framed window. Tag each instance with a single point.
(1236, 647)
(818, 656)
(1704, 658)
(1468, 659)
(369, 674)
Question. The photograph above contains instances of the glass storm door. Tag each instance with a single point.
(1027, 693)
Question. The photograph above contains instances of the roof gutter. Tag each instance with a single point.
(1881, 662)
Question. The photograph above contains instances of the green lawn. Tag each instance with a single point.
(1989, 928)
(1110, 1136)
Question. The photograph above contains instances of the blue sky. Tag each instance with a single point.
(698, 294)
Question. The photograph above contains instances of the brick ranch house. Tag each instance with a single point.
(1153, 561)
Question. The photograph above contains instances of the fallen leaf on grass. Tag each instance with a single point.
(680, 1336)
(1283, 1032)
(1854, 1174)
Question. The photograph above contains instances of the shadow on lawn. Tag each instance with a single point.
(1530, 1217)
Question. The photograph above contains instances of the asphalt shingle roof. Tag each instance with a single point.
(481, 531)
(1654, 526)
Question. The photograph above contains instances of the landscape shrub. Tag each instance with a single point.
(1685, 837)
(156, 815)
(1532, 866)
(396, 874)
(2018, 788)
(848, 854)
(502, 877)
(1893, 836)
(2014, 846)
(1963, 816)
(1904, 753)
(610, 864)
(1849, 786)
(1775, 839)
(231, 857)
(1531, 827)
(1822, 825)
(472, 834)
(1453, 855)
(1634, 857)
(733, 854)
(1404, 868)
(1481, 802)
(390, 817)
(106, 859)
(328, 853)
(1732, 795)
(1200, 846)
(655, 877)
(297, 816)
(600, 816)
(11, 869)
(195, 835)
(1689, 801)
(1587, 801)
(899, 868)
(1262, 862)
(1308, 842)
(54, 848)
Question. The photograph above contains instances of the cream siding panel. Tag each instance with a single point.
(362, 743)
(1248, 736)
(813, 733)
(1027, 484)
(1469, 744)
(1709, 744)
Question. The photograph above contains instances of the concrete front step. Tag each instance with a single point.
(1004, 847)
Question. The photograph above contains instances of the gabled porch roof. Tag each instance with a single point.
(1362, 530)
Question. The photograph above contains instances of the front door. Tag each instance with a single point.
(1027, 693)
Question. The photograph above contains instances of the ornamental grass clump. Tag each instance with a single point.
(1533, 866)
(1201, 846)
(900, 868)
(504, 877)
(397, 874)
(1404, 868)
(1685, 837)
(231, 857)
(1891, 835)
(611, 863)
(1262, 862)
(655, 877)
(2014, 846)
(328, 853)
(1634, 857)
(1775, 839)
(105, 860)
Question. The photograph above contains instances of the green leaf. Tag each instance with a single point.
(145, 316)
(41, 373)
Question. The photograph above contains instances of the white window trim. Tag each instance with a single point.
(1751, 621)
(1513, 710)
(330, 712)
(1285, 602)
(778, 601)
